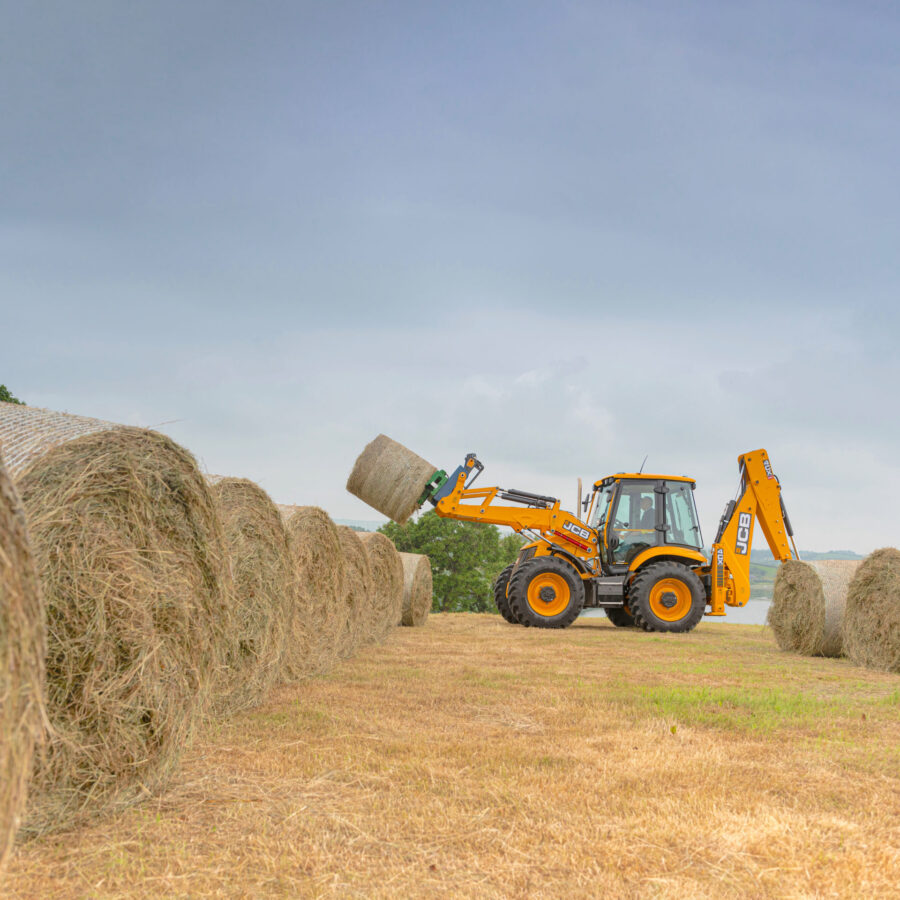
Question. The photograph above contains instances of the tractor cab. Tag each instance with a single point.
(635, 512)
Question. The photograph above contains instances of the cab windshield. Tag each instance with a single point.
(601, 507)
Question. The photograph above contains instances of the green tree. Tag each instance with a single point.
(465, 558)
(7, 397)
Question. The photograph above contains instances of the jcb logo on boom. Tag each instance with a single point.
(576, 529)
(768, 467)
(745, 525)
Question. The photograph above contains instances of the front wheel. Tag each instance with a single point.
(500, 598)
(546, 592)
(666, 597)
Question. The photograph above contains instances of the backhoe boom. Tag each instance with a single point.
(759, 499)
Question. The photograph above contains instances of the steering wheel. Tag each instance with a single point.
(617, 523)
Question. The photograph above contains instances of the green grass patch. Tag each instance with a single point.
(760, 709)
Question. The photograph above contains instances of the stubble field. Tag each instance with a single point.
(470, 758)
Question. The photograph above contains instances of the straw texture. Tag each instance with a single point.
(358, 587)
(22, 644)
(417, 588)
(872, 619)
(137, 589)
(808, 601)
(264, 589)
(390, 478)
(387, 585)
(321, 607)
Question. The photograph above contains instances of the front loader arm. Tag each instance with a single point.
(526, 512)
(759, 499)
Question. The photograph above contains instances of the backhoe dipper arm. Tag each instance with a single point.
(759, 498)
(527, 512)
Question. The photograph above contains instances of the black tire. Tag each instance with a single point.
(500, 585)
(546, 580)
(620, 616)
(674, 606)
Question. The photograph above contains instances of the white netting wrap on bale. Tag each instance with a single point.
(390, 478)
(28, 433)
(808, 601)
(417, 588)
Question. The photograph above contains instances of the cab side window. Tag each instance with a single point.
(680, 516)
(634, 523)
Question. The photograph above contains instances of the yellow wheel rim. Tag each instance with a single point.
(670, 599)
(548, 594)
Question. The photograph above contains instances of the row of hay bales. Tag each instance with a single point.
(840, 608)
(138, 596)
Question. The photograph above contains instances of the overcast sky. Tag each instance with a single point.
(563, 235)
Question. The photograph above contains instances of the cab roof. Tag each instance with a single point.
(641, 476)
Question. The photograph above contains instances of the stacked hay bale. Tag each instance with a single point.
(321, 609)
(386, 608)
(358, 591)
(417, 588)
(21, 663)
(390, 478)
(872, 619)
(264, 588)
(134, 573)
(808, 601)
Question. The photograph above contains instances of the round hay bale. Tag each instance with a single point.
(320, 610)
(796, 591)
(21, 663)
(872, 619)
(808, 602)
(358, 588)
(263, 583)
(387, 585)
(137, 591)
(390, 478)
(417, 588)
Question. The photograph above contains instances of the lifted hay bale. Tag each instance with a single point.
(872, 619)
(320, 610)
(137, 590)
(808, 603)
(358, 590)
(417, 588)
(387, 585)
(264, 586)
(22, 644)
(390, 478)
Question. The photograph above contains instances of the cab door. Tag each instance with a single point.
(635, 520)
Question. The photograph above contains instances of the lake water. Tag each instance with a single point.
(754, 613)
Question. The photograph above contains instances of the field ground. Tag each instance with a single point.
(471, 758)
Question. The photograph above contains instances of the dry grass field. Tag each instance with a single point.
(470, 758)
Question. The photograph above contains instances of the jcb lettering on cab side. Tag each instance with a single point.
(745, 525)
(576, 529)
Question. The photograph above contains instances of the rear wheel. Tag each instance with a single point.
(500, 598)
(620, 616)
(546, 592)
(666, 597)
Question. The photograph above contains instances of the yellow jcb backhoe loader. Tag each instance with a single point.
(637, 553)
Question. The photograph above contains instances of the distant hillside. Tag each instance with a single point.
(766, 555)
